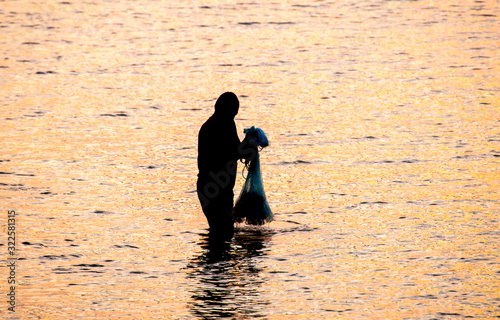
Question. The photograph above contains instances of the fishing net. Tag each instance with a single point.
(251, 206)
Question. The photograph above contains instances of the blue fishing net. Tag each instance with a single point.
(251, 206)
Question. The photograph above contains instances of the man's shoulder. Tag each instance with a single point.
(207, 124)
(214, 124)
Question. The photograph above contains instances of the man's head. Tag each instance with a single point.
(227, 105)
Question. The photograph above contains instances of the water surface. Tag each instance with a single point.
(383, 168)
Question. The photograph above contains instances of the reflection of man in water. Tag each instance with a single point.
(219, 148)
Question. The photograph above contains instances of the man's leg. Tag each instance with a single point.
(218, 211)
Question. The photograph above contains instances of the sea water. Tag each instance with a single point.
(383, 171)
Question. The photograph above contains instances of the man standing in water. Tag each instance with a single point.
(219, 149)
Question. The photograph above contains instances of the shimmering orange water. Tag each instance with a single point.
(383, 169)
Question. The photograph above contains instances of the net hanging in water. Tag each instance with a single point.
(251, 206)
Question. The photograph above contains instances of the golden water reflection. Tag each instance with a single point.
(382, 170)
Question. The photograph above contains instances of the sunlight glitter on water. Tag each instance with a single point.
(383, 118)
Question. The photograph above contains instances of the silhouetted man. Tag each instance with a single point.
(219, 149)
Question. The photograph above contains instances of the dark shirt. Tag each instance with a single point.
(218, 144)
